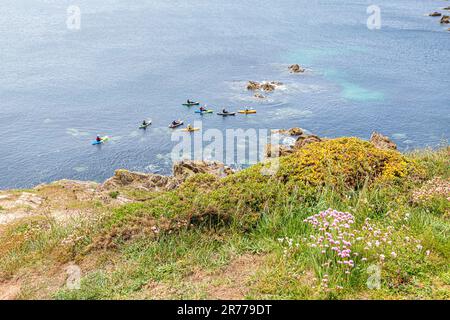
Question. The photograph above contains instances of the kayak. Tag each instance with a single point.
(104, 139)
(172, 126)
(191, 104)
(227, 114)
(202, 112)
(247, 111)
(149, 122)
(191, 130)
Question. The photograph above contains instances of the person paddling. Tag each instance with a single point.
(175, 122)
(144, 123)
(98, 139)
(224, 110)
(202, 109)
(189, 127)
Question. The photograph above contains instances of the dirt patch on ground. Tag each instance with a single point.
(9, 290)
(232, 282)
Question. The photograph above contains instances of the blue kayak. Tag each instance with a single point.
(104, 139)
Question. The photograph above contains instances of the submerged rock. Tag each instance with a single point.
(382, 142)
(253, 86)
(296, 68)
(268, 87)
(265, 86)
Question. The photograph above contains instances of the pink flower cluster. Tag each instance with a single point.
(435, 187)
(335, 237)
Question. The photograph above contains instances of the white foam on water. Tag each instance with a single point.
(76, 133)
(80, 169)
(399, 136)
(286, 113)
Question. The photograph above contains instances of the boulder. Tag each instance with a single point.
(253, 86)
(186, 168)
(142, 181)
(22, 200)
(435, 14)
(277, 150)
(445, 19)
(382, 142)
(295, 68)
(291, 132)
(304, 140)
(268, 86)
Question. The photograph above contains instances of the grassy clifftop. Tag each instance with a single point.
(337, 219)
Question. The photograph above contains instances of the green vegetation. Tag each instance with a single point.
(249, 236)
(114, 194)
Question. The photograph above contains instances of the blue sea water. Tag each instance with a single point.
(132, 60)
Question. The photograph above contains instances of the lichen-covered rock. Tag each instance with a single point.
(187, 168)
(304, 140)
(295, 68)
(382, 142)
(140, 181)
(291, 132)
(445, 19)
(22, 200)
(277, 150)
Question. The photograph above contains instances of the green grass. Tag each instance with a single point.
(207, 224)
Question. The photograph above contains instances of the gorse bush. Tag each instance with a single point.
(345, 163)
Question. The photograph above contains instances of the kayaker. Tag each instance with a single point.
(189, 127)
(175, 122)
(144, 123)
(202, 109)
(189, 101)
(224, 110)
(98, 139)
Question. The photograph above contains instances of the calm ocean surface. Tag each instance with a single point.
(141, 59)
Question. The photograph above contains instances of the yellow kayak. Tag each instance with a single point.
(247, 111)
(191, 130)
